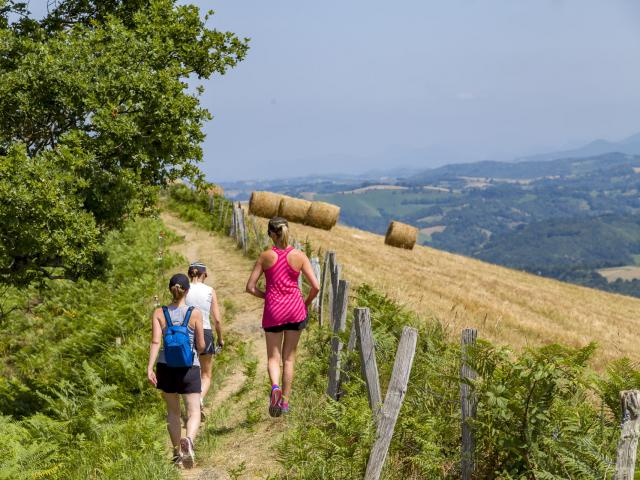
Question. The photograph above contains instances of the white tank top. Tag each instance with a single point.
(201, 296)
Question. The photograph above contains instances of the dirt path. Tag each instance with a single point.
(238, 433)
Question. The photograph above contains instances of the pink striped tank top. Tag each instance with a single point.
(283, 302)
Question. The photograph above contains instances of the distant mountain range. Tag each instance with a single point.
(527, 167)
(523, 170)
(630, 146)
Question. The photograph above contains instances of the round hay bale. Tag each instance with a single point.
(216, 190)
(401, 235)
(294, 209)
(322, 215)
(264, 204)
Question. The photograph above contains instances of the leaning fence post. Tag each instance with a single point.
(315, 266)
(236, 211)
(339, 325)
(224, 218)
(232, 231)
(368, 358)
(335, 282)
(243, 230)
(329, 259)
(630, 431)
(468, 402)
(252, 220)
(393, 402)
(345, 375)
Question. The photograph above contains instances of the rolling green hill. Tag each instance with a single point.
(568, 219)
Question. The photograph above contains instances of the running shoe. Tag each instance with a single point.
(284, 406)
(188, 456)
(177, 461)
(274, 401)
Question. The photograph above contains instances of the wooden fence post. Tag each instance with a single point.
(252, 220)
(630, 431)
(232, 232)
(339, 324)
(315, 266)
(211, 203)
(362, 321)
(335, 282)
(468, 403)
(224, 217)
(222, 205)
(392, 402)
(329, 259)
(243, 226)
(236, 211)
(345, 375)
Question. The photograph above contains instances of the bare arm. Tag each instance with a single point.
(154, 348)
(214, 314)
(307, 271)
(198, 329)
(252, 283)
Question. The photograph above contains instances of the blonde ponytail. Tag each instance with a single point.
(279, 231)
(283, 235)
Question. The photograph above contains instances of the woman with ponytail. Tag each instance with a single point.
(183, 379)
(204, 297)
(285, 310)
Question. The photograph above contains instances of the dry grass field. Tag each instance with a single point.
(506, 306)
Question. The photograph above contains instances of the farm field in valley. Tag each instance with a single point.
(629, 272)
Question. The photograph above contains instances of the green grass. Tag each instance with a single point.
(76, 404)
(541, 413)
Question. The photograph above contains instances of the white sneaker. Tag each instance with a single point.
(186, 449)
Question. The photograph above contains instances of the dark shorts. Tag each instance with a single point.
(178, 379)
(287, 326)
(209, 347)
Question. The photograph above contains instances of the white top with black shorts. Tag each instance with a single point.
(201, 297)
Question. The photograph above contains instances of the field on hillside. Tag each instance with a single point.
(506, 306)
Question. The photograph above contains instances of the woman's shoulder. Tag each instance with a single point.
(297, 253)
(268, 255)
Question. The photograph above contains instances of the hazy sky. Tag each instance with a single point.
(352, 85)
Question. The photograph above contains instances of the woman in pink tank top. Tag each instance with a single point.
(285, 310)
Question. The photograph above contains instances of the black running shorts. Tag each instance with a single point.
(209, 347)
(178, 379)
(288, 326)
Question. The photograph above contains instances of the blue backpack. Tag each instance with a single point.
(177, 347)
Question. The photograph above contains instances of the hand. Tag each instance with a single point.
(151, 375)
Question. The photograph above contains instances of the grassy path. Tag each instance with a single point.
(236, 441)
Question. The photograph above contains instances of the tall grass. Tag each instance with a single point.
(194, 206)
(542, 413)
(75, 403)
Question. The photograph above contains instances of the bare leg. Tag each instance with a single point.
(291, 338)
(173, 417)
(274, 355)
(193, 413)
(206, 365)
